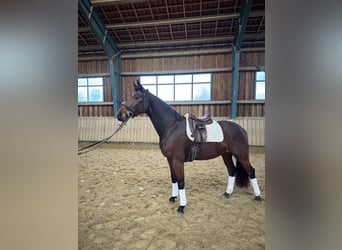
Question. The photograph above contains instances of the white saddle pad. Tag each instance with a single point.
(214, 131)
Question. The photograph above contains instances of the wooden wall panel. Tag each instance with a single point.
(93, 67)
(221, 86)
(251, 110)
(243, 110)
(108, 97)
(201, 109)
(246, 85)
(95, 110)
(221, 82)
(247, 58)
(140, 129)
(127, 86)
(176, 63)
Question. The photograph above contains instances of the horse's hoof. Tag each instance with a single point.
(172, 199)
(226, 195)
(257, 198)
(180, 210)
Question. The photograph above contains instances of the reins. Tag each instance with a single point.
(96, 144)
(92, 146)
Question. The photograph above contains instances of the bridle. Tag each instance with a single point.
(131, 115)
(134, 108)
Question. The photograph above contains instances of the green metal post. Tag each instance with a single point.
(115, 79)
(235, 83)
(244, 13)
(109, 46)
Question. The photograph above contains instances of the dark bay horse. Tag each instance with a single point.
(175, 145)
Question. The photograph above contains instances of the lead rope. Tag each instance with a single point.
(92, 146)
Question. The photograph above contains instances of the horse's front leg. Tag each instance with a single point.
(178, 168)
(174, 192)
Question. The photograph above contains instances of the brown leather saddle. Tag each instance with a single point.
(197, 127)
(198, 132)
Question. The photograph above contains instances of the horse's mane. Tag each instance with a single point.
(163, 107)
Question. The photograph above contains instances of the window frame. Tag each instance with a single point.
(88, 86)
(175, 83)
(257, 81)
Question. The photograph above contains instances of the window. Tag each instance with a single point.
(179, 87)
(90, 89)
(260, 85)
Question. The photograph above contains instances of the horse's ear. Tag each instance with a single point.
(138, 86)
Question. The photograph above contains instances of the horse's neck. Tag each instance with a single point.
(163, 117)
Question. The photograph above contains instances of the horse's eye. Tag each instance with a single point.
(136, 97)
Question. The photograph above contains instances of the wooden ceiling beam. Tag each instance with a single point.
(101, 33)
(176, 21)
(111, 2)
(176, 42)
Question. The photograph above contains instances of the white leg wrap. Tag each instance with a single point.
(255, 187)
(182, 197)
(174, 189)
(230, 184)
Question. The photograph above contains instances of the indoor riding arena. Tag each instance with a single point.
(198, 57)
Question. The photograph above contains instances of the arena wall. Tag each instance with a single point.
(141, 130)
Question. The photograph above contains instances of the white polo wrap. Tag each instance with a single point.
(255, 187)
(174, 189)
(182, 197)
(230, 184)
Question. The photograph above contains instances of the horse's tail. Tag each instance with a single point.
(242, 179)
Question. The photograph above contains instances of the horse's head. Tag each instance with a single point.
(136, 105)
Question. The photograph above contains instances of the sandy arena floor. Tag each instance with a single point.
(123, 203)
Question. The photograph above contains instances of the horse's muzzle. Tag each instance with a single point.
(124, 114)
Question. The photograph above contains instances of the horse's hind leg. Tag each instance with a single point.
(255, 185)
(228, 161)
(244, 164)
